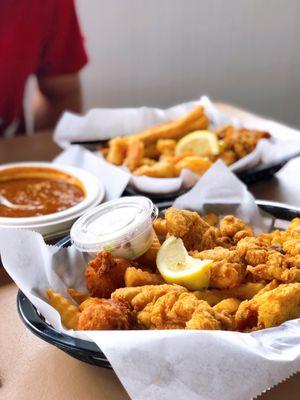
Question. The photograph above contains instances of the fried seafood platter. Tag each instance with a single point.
(201, 273)
(164, 150)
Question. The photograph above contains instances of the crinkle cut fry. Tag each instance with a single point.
(68, 312)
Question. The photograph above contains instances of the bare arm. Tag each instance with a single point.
(55, 95)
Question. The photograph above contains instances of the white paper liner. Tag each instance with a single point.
(113, 178)
(165, 364)
(107, 123)
(101, 124)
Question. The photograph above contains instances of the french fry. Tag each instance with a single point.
(150, 151)
(196, 119)
(69, 313)
(117, 150)
(148, 259)
(228, 306)
(78, 297)
(160, 227)
(138, 277)
(243, 292)
(134, 154)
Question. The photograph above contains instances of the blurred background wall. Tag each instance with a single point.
(161, 52)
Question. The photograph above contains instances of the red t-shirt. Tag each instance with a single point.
(40, 37)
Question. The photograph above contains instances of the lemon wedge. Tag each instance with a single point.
(200, 143)
(177, 266)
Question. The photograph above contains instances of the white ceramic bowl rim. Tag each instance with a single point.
(93, 188)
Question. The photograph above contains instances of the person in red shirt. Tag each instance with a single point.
(41, 38)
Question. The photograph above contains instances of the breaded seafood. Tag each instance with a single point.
(171, 307)
(156, 151)
(270, 308)
(247, 281)
(106, 314)
(138, 277)
(105, 274)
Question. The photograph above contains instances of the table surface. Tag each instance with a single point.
(32, 369)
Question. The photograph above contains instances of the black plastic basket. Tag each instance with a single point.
(87, 351)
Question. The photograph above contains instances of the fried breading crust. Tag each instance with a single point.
(270, 308)
(243, 292)
(117, 150)
(188, 226)
(227, 271)
(266, 262)
(140, 296)
(194, 120)
(134, 154)
(106, 314)
(138, 277)
(160, 169)
(235, 228)
(171, 307)
(105, 274)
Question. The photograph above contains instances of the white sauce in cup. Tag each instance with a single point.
(123, 227)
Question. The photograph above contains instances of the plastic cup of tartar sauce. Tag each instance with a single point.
(123, 227)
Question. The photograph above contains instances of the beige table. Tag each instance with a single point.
(31, 369)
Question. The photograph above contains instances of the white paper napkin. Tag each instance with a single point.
(106, 123)
(219, 190)
(165, 365)
(113, 178)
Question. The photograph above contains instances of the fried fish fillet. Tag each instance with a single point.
(180, 311)
(270, 308)
(195, 232)
(140, 296)
(227, 270)
(171, 307)
(194, 120)
(187, 225)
